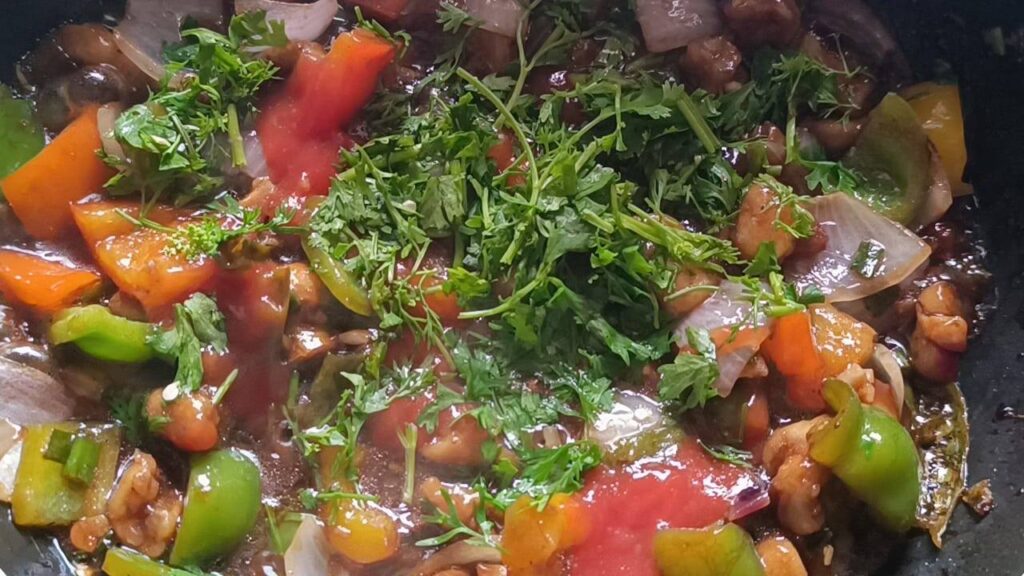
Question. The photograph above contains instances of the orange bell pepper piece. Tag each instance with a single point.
(41, 191)
(135, 259)
(533, 538)
(793, 351)
(139, 265)
(98, 221)
(43, 285)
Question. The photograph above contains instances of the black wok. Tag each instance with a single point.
(936, 35)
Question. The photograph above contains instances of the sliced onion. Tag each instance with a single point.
(499, 16)
(150, 25)
(848, 223)
(255, 160)
(309, 553)
(670, 24)
(859, 25)
(884, 363)
(302, 22)
(9, 470)
(732, 363)
(106, 116)
(31, 396)
(750, 500)
(9, 435)
(728, 308)
(458, 554)
(631, 415)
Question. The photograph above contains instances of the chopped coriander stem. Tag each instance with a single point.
(224, 387)
(333, 496)
(82, 461)
(596, 221)
(690, 290)
(235, 137)
(517, 128)
(512, 300)
(144, 222)
(409, 438)
(698, 124)
(524, 68)
(59, 446)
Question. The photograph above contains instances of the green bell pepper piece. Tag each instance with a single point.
(121, 562)
(44, 495)
(872, 453)
(21, 135)
(103, 335)
(894, 161)
(221, 506)
(338, 281)
(719, 550)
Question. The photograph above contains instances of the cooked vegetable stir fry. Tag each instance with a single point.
(482, 287)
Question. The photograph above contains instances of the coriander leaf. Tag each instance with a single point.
(207, 321)
(466, 285)
(729, 454)
(791, 204)
(689, 382)
(869, 259)
(197, 323)
(549, 471)
(171, 141)
(764, 262)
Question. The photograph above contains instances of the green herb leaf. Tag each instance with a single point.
(197, 323)
(689, 381)
(869, 259)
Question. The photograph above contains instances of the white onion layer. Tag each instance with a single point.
(848, 223)
(302, 22)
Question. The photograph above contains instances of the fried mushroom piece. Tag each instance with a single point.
(758, 23)
(760, 213)
(780, 557)
(797, 480)
(940, 335)
(713, 64)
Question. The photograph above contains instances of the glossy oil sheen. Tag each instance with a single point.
(992, 375)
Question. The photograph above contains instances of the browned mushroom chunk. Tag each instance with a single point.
(713, 64)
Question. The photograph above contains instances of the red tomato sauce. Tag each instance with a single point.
(681, 488)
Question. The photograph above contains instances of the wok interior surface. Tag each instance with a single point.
(936, 35)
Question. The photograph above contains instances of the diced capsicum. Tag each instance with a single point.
(941, 114)
(121, 562)
(41, 190)
(21, 135)
(101, 334)
(221, 506)
(338, 281)
(719, 550)
(44, 495)
(872, 453)
(44, 285)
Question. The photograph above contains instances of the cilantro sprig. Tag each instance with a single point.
(174, 143)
